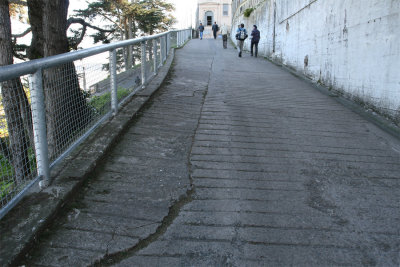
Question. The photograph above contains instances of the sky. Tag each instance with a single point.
(184, 12)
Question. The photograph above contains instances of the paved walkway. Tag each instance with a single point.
(266, 171)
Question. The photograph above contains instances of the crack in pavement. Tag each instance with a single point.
(174, 209)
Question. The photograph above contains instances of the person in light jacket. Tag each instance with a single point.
(224, 32)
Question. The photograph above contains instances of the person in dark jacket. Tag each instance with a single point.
(255, 38)
(215, 28)
(201, 30)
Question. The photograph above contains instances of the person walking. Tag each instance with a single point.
(241, 35)
(255, 38)
(201, 30)
(215, 29)
(224, 32)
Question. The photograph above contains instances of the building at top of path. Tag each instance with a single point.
(210, 11)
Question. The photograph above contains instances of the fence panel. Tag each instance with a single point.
(17, 151)
(50, 105)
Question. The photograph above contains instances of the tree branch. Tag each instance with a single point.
(80, 39)
(74, 42)
(85, 24)
(110, 20)
(22, 34)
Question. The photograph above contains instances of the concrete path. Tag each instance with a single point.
(268, 171)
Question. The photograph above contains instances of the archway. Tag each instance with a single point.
(209, 18)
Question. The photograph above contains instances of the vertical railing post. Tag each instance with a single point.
(167, 46)
(143, 61)
(155, 56)
(162, 50)
(39, 128)
(113, 81)
(84, 79)
(169, 41)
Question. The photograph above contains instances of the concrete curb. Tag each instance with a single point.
(21, 227)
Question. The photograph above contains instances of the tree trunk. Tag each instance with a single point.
(35, 13)
(66, 109)
(124, 50)
(26, 112)
(130, 51)
(150, 47)
(133, 31)
(13, 102)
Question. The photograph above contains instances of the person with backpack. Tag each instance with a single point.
(255, 38)
(241, 35)
(201, 30)
(215, 28)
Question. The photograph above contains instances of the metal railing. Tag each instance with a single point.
(49, 106)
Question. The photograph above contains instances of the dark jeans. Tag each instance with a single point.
(225, 40)
(215, 34)
(253, 43)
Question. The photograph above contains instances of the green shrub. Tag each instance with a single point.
(6, 168)
(7, 172)
(248, 11)
(5, 188)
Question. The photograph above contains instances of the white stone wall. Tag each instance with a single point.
(351, 46)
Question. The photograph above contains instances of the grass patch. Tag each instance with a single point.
(102, 102)
(7, 183)
(5, 188)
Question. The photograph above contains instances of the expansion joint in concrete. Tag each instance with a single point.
(174, 210)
